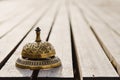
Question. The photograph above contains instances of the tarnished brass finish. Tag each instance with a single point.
(38, 64)
(38, 35)
(38, 50)
(38, 55)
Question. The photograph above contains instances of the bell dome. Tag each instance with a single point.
(38, 50)
(38, 55)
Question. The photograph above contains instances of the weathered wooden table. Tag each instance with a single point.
(85, 34)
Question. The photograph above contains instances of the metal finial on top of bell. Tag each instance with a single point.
(38, 55)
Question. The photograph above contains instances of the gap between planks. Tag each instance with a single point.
(91, 57)
(18, 19)
(62, 44)
(108, 39)
(11, 41)
(21, 73)
(47, 28)
(108, 19)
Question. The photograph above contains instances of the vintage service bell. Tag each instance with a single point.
(38, 55)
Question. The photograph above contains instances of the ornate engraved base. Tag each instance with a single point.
(38, 64)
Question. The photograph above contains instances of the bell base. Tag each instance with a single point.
(38, 64)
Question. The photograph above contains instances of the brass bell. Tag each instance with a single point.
(38, 55)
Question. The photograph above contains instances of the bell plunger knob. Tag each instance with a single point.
(38, 34)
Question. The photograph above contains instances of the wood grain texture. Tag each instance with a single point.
(107, 38)
(108, 19)
(12, 23)
(22, 12)
(92, 60)
(9, 67)
(87, 29)
(60, 39)
(10, 41)
(9, 9)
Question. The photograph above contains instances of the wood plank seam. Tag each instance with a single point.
(23, 73)
(35, 72)
(103, 47)
(34, 75)
(89, 30)
(10, 54)
(107, 52)
(57, 39)
(79, 74)
(53, 22)
(17, 24)
(105, 22)
(99, 41)
(5, 29)
(74, 54)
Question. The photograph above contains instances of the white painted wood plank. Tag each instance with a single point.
(92, 60)
(107, 18)
(60, 39)
(5, 8)
(9, 67)
(10, 9)
(111, 13)
(7, 26)
(12, 23)
(108, 39)
(9, 42)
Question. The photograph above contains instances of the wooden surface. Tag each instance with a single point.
(84, 33)
(92, 65)
(59, 41)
